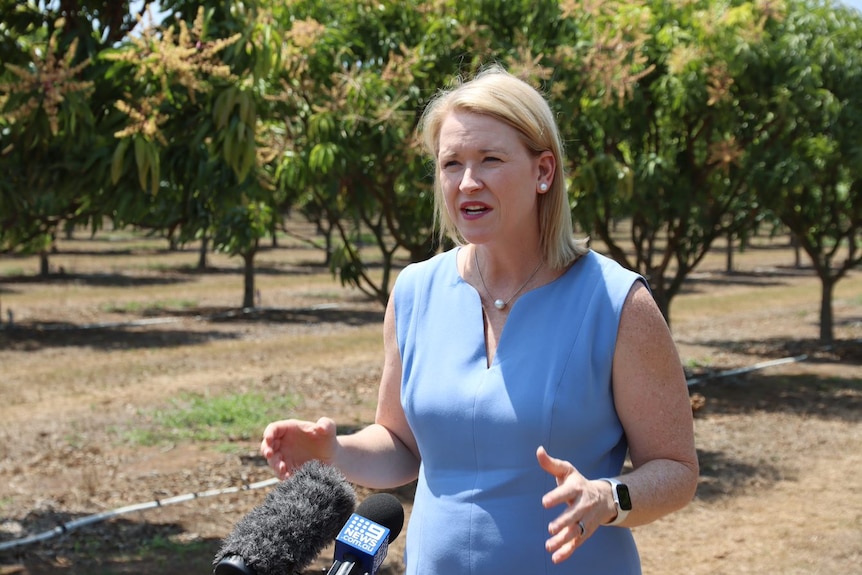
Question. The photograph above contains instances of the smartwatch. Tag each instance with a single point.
(622, 499)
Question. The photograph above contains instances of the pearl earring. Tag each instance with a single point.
(543, 186)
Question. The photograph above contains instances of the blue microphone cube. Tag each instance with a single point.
(363, 542)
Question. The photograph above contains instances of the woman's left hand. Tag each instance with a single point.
(584, 503)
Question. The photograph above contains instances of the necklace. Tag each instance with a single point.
(498, 303)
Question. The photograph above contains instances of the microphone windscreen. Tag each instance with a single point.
(295, 522)
(384, 509)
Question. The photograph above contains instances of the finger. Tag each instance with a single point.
(550, 464)
(556, 467)
(564, 552)
(557, 540)
(562, 545)
(272, 431)
(282, 470)
(562, 495)
(267, 448)
(324, 427)
(270, 447)
(568, 492)
(272, 434)
(564, 521)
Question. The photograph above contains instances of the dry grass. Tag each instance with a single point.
(779, 447)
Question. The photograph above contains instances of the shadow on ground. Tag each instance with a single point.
(35, 336)
(846, 351)
(118, 546)
(721, 476)
(805, 396)
(147, 330)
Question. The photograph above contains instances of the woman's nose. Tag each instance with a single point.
(470, 181)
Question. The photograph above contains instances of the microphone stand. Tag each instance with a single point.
(342, 568)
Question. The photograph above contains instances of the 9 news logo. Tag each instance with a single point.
(363, 534)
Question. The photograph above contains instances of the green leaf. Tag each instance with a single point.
(117, 161)
(142, 160)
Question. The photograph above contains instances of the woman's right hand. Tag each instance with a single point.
(289, 443)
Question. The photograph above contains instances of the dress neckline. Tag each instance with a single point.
(490, 356)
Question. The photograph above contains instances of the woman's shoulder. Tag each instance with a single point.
(435, 264)
(415, 282)
(608, 265)
(609, 275)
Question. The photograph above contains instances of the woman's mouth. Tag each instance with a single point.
(474, 210)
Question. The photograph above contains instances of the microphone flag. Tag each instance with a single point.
(363, 542)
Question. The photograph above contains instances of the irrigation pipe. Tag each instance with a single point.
(757, 366)
(95, 518)
(741, 370)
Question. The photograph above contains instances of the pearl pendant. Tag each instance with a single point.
(499, 304)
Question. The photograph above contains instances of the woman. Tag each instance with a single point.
(520, 368)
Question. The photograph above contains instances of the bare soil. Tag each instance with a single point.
(122, 326)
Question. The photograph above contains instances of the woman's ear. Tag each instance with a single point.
(547, 168)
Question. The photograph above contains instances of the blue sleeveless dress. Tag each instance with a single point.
(478, 505)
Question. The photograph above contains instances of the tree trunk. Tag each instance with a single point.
(44, 264)
(659, 293)
(797, 251)
(326, 232)
(827, 287)
(425, 250)
(273, 232)
(202, 254)
(729, 254)
(248, 277)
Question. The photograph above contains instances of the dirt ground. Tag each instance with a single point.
(122, 326)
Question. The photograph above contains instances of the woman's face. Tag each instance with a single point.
(490, 181)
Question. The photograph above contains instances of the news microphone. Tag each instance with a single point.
(363, 542)
(295, 522)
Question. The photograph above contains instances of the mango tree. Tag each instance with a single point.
(656, 129)
(195, 93)
(46, 128)
(357, 86)
(811, 175)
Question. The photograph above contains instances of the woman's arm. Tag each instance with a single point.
(652, 402)
(384, 454)
(380, 456)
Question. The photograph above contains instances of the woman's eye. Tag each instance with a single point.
(492, 159)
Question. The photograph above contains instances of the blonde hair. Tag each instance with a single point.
(496, 93)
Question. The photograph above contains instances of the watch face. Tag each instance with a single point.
(625, 498)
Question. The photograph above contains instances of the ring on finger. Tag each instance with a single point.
(582, 528)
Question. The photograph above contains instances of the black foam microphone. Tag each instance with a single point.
(363, 542)
(296, 521)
